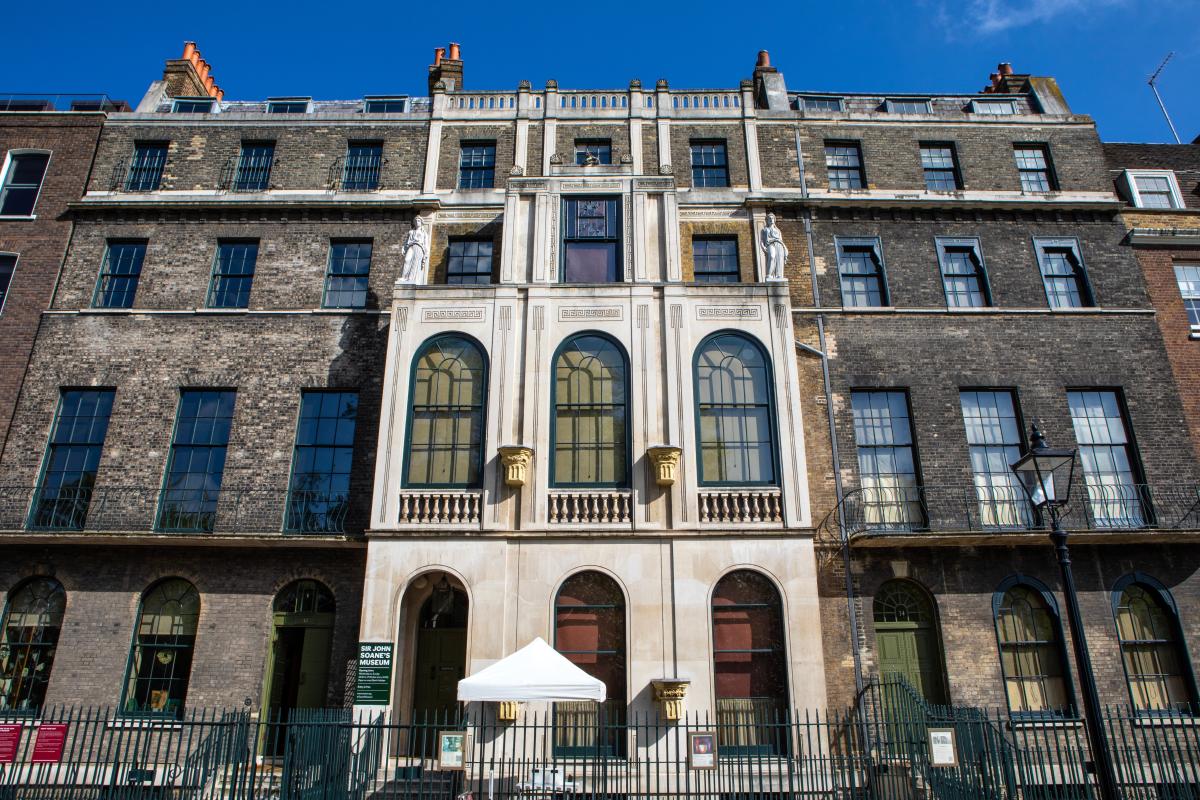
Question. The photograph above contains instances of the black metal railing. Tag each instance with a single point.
(228, 510)
(1002, 508)
(248, 173)
(24, 101)
(361, 172)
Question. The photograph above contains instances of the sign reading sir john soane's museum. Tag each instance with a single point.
(374, 684)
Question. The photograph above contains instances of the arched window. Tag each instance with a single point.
(1157, 666)
(589, 629)
(297, 674)
(446, 403)
(908, 640)
(304, 597)
(749, 663)
(591, 422)
(1032, 657)
(734, 412)
(160, 659)
(29, 637)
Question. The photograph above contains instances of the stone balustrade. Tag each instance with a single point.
(440, 508)
(737, 506)
(590, 508)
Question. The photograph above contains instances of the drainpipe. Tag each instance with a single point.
(835, 457)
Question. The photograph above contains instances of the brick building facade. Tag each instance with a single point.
(575, 402)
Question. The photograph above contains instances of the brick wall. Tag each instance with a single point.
(683, 133)
(1182, 159)
(504, 136)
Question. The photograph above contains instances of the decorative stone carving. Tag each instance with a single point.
(665, 458)
(665, 169)
(507, 710)
(776, 251)
(669, 693)
(635, 83)
(516, 459)
(626, 158)
(416, 253)
(555, 158)
(516, 171)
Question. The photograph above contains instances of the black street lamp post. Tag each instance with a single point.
(1046, 474)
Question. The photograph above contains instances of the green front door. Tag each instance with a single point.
(441, 664)
(907, 641)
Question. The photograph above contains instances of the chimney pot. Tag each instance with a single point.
(1005, 68)
(455, 54)
(195, 59)
(208, 84)
(188, 49)
(764, 59)
(438, 54)
(202, 69)
(220, 95)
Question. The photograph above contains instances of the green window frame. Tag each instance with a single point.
(29, 630)
(447, 404)
(232, 274)
(72, 459)
(160, 655)
(861, 272)
(196, 465)
(1158, 669)
(964, 276)
(116, 286)
(146, 166)
(1033, 657)
(347, 278)
(1063, 273)
(736, 428)
(319, 488)
(589, 423)
(254, 165)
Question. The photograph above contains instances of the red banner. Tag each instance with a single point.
(10, 741)
(49, 744)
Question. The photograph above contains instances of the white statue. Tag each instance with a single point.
(776, 251)
(416, 253)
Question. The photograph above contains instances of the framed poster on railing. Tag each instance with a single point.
(942, 751)
(452, 751)
(702, 750)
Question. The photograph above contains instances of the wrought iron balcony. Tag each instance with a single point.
(879, 511)
(360, 172)
(19, 101)
(228, 510)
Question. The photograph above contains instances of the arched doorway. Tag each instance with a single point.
(301, 642)
(908, 641)
(441, 651)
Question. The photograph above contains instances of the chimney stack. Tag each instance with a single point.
(1004, 81)
(769, 89)
(189, 75)
(447, 69)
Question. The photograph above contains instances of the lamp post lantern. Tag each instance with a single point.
(1045, 474)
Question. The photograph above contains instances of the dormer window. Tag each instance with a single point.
(288, 105)
(819, 104)
(193, 105)
(385, 105)
(907, 106)
(1153, 188)
(995, 108)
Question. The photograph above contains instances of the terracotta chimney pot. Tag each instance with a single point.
(220, 95)
(188, 49)
(1005, 68)
(202, 69)
(195, 58)
(208, 84)
(438, 54)
(764, 59)
(455, 54)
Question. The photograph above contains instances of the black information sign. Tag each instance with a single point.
(374, 684)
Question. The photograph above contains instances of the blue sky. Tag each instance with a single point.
(1101, 51)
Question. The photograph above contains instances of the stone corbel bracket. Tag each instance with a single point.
(516, 460)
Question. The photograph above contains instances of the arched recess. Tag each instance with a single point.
(736, 431)
(160, 657)
(1033, 657)
(908, 638)
(447, 403)
(1158, 670)
(29, 631)
(589, 423)
(750, 675)
(303, 615)
(589, 629)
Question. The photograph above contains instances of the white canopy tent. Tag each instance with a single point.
(535, 672)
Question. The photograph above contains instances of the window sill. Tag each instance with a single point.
(17, 217)
(109, 311)
(220, 311)
(1068, 723)
(1195, 332)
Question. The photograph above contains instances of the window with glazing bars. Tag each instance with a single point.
(890, 487)
(963, 276)
(184, 105)
(469, 261)
(591, 240)
(907, 106)
(233, 274)
(197, 461)
(1116, 498)
(1032, 659)
(299, 106)
(1154, 191)
(860, 265)
(72, 460)
(349, 272)
(590, 399)
(820, 103)
(8, 266)
(996, 108)
(29, 633)
(319, 492)
(1063, 274)
(1156, 663)
(364, 161)
(254, 167)
(940, 163)
(1188, 278)
(734, 412)
(709, 165)
(1033, 164)
(146, 169)
(593, 151)
(446, 404)
(119, 274)
(843, 162)
(160, 657)
(385, 105)
(477, 165)
(22, 182)
(995, 441)
(715, 259)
